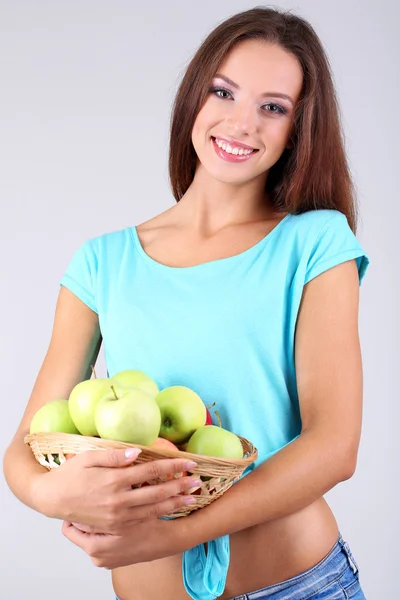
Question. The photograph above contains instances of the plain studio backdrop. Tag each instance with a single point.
(85, 101)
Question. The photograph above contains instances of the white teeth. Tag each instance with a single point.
(227, 148)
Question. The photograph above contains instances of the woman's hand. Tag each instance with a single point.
(144, 541)
(95, 489)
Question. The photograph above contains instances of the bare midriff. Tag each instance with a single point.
(263, 555)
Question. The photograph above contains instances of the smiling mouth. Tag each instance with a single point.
(232, 154)
(233, 148)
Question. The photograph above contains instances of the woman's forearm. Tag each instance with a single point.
(21, 470)
(290, 480)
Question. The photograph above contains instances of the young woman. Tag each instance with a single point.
(247, 291)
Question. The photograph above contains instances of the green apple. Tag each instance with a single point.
(212, 440)
(182, 412)
(53, 417)
(83, 401)
(131, 415)
(135, 378)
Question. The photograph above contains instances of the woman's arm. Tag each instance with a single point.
(329, 382)
(74, 346)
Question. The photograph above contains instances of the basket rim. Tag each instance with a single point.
(32, 437)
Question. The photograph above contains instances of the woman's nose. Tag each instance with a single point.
(243, 119)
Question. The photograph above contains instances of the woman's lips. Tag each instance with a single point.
(231, 157)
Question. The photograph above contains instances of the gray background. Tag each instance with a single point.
(86, 90)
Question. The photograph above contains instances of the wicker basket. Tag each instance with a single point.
(217, 474)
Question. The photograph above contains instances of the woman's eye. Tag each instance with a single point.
(218, 91)
(278, 107)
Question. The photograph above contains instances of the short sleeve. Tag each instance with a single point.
(81, 275)
(336, 243)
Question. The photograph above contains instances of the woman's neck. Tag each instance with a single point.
(210, 205)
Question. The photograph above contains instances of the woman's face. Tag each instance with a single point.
(244, 107)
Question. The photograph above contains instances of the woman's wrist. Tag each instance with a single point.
(181, 538)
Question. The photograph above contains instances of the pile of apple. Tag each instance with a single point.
(129, 407)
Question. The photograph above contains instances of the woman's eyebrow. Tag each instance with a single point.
(274, 94)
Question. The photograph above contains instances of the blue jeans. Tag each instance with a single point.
(335, 577)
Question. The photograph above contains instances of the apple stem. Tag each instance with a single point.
(116, 397)
(93, 371)
(219, 418)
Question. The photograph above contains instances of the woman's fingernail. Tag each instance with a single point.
(189, 500)
(190, 465)
(132, 452)
(195, 482)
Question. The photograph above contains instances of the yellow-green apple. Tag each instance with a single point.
(135, 378)
(129, 415)
(211, 440)
(83, 401)
(53, 417)
(182, 412)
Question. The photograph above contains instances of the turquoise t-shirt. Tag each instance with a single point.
(224, 328)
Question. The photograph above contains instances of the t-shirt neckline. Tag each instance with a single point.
(210, 263)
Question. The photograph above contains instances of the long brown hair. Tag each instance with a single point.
(314, 173)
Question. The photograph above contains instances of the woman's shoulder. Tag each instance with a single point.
(324, 239)
(124, 234)
(311, 224)
(319, 217)
(110, 238)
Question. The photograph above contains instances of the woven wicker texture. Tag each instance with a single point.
(217, 474)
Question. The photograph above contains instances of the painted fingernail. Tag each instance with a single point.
(190, 465)
(194, 482)
(132, 452)
(189, 500)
